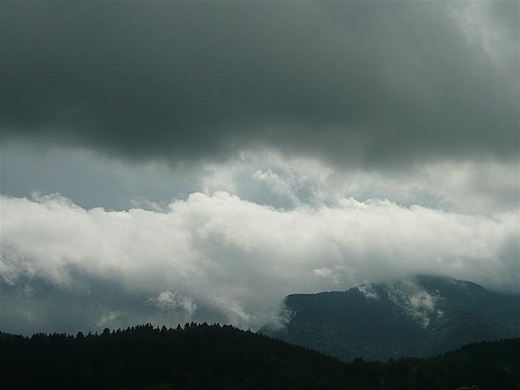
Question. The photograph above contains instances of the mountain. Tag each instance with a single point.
(196, 356)
(421, 316)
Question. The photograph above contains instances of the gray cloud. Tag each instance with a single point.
(268, 178)
(92, 180)
(372, 84)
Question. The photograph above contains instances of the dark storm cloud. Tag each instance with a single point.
(366, 82)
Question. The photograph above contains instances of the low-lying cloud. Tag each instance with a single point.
(221, 258)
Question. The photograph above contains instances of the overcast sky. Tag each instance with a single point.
(175, 161)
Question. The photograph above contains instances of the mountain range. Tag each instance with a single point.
(417, 317)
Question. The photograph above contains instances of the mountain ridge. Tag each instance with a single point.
(419, 316)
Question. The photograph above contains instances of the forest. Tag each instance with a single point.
(204, 356)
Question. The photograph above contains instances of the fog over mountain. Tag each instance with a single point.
(169, 161)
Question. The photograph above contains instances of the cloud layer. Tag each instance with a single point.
(371, 84)
(225, 259)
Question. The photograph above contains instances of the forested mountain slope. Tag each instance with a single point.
(223, 357)
(419, 317)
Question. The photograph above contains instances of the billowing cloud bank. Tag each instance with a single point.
(221, 258)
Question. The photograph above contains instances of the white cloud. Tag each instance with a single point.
(168, 300)
(236, 259)
(368, 291)
(416, 302)
(261, 176)
(468, 186)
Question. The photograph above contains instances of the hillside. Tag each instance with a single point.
(223, 357)
(191, 357)
(419, 317)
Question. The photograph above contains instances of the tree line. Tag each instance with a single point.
(203, 356)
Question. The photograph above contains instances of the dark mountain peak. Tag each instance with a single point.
(447, 283)
(417, 316)
(429, 282)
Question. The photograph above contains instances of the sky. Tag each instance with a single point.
(169, 162)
